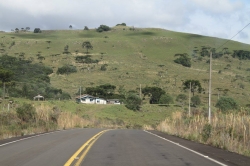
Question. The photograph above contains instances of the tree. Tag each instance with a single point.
(226, 103)
(87, 45)
(27, 28)
(16, 30)
(108, 88)
(133, 102)
(70, 26)
(183, 59)
(86, 28)
(37, 30)
(154, 93)
(195, 86)
(166, 99)
(5, 76)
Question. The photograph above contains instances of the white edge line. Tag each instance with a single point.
(38, 135)
(222, 164)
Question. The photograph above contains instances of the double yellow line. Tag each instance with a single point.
(83, 150)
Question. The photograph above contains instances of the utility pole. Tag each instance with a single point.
(140, 91)
(80, 94)
(189, 111)
(210, 91)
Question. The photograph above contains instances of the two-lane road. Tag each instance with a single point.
(110, 148)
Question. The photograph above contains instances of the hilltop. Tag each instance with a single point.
(129, 58)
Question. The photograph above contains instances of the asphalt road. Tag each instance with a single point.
(111, 148)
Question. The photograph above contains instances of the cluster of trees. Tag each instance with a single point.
(21, 78)
(106, 91)
(122, 24)
(16, 30)
(241, 54)
(156, 95)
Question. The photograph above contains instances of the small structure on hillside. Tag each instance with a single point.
(88, 99)
(113, 101)
(39, 97)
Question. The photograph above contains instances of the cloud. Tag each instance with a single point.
(219, 18)
(218, 6)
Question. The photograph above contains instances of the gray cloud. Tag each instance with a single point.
(219, 18)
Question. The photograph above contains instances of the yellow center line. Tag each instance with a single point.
(89, 144)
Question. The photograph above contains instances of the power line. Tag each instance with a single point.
(234, 36)
(228, 41)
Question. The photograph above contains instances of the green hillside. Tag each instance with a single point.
(133, 57)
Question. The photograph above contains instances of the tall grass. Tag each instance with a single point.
(47, 119)
(229, 131)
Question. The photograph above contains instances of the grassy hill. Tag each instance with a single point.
(133, 57)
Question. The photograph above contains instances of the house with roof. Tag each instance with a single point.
(88, 99)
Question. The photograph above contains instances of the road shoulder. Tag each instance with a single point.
(229, 158)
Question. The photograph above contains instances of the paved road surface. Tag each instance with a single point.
(112, 148)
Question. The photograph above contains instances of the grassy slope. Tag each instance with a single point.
(133, 58)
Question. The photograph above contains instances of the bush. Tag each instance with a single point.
(184, 61)
(206, 132)
(133, 102)
(181, 98)
(26, 113)
(104, 67)
(226, 103)
(166, 99)
(196, 100)
(66, 69)
(102, 28)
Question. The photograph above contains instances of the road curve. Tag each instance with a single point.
(112, 148)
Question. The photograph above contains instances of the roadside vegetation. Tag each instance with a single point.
(26, 117)
(228, 130)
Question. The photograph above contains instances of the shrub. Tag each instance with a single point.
(206, 132)
(66, 69)
(104, 67)
(102, 28)
(181, 97)
(26, 113)
(133, 102)
(184, 61)
(226, 104)
(166, 99)
(196, 100)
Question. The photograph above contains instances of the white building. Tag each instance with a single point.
(88, 99)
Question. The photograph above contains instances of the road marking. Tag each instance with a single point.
(222, 164)
(38, 135)
(84, 149)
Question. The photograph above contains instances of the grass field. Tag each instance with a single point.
(133, 58)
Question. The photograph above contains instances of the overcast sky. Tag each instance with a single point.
(217, 18)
